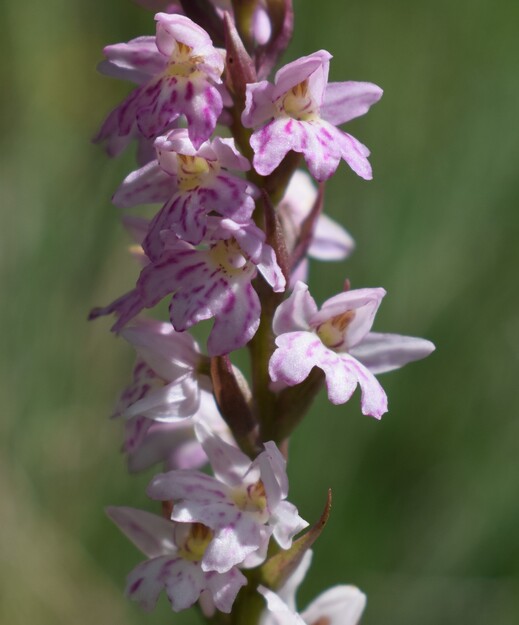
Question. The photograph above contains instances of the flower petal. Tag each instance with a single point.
(150, 533)
(344, 101)
(385, 352)
(340, 605)
(296, 312)
(147, 185)
(224, 587)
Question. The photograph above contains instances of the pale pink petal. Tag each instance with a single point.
(297, 354)
(259, 104)
(270, 270)
(340, 605)
(272, 466)
(228, 154)
(174, 401)
(173, 443)
(283, 615)
(184, 582)
(261, 26)
(385, 352)
(299, 70)
(233, 543)
(373, 397)
(299, 273)
(330, 240)
(288, 591)
(296, 312)
(183, 484)
(224, 588)
(344, 101)
(171, 354)
(229, 464)
(354, 153)
(286, 523)
(150, 533)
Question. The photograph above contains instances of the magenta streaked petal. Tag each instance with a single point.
(147, 185)
(140, 55)
(184, 581)
(157, 106)
(146, 581)
(201, 295)
(236, 319)
(125, 307)
(344, 101)
(271, 143)
(109, 135)
(202, 108)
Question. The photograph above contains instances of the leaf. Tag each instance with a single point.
(276, 571)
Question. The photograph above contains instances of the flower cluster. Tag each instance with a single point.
(235, 222)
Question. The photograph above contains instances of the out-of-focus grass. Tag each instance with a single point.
(425, 509)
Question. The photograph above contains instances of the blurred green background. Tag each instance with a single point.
(426, 512)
